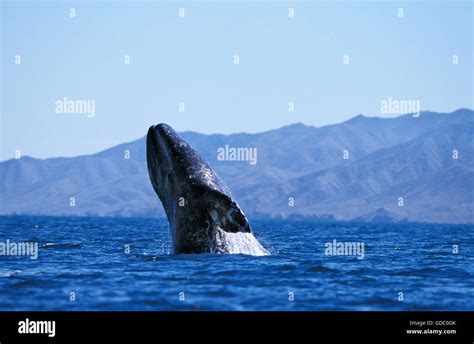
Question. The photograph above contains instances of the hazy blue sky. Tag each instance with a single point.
(190, 60)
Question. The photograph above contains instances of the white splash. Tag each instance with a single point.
(240, 243)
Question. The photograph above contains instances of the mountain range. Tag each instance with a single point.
(406, 168)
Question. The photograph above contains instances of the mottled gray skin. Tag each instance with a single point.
(178, 173)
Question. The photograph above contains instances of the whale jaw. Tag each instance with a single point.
(203, 216)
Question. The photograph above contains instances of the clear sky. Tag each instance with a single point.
(190, 59)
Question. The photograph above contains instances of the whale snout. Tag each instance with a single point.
(161, 140)
(164, 135)
(157, 156)
(159, 129)
(167, 160)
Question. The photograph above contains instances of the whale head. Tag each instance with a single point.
(198, 205)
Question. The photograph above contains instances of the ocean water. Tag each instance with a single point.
(86, 256)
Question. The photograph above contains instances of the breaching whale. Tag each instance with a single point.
(203, 216)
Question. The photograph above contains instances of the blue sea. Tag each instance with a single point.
(84, 264)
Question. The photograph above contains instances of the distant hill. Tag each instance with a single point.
(388, 158)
